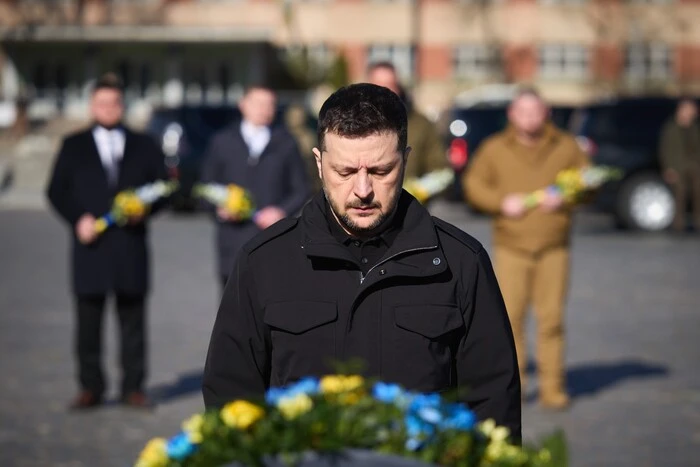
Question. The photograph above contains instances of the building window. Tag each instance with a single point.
(400, 55)
(564, 61)
(475, 61)
(648, 62)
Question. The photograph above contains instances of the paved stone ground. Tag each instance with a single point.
(634, 324)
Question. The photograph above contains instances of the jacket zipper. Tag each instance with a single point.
(413, 250)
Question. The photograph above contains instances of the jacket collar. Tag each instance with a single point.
(415, 240)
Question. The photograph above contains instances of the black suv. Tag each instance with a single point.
(623, 133)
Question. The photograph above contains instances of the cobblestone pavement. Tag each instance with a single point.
(633, 324)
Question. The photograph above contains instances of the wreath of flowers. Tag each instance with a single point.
(341, 412)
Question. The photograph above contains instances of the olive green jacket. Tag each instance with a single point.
(427, 150)
(679, 151)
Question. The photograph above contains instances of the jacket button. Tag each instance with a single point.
(382, 272)
(436, 261)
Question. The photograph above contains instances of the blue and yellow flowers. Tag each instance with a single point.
(340, 412)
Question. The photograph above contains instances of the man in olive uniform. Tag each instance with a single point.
(427, 149)
(531, 245)
(680, 161)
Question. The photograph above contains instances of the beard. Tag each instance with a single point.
(380, 222)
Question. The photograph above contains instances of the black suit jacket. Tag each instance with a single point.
(118, 259)
(277, 178)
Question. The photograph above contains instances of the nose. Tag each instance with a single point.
(363, 185)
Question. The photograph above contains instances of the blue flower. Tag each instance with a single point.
(459, 418)
(179, 447)
(413, 444)
(273, 395)
(430, 415)
(417, 427)
(308, 386)
(387, 393)
(420, 401)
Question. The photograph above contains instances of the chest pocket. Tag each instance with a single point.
(419, 353)
(303, 338)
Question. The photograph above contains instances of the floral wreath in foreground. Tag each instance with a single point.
(345, 412)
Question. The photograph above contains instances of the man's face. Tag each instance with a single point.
(258, 107)
(687, 112)
(384, 77)
(362, 179)
(106, 107)
(528, 114)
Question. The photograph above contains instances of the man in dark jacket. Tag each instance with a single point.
(680, 160)
(91, 168)
(365, 273)
(265, 160)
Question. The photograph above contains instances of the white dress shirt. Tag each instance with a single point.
(256, 137)
(110, 146)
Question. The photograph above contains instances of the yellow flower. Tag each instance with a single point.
(292, 407)
(340, 383)
(241, 414)
(193, 427)
(347, 389)
(154, 454)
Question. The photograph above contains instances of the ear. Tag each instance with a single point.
(317, 155)
(406, 153)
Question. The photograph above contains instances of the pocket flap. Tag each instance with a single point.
(299, 317)
(430, 321)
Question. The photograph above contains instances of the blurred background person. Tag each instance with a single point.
(680, 161)
(428, 152)
(92, 166)
(531, 247)
(296, 120)
(262, 158)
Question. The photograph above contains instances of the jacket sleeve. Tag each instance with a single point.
(238, 360)
(487, 366)
(669, 149)
(60, 189)
(298, 184)
(479, 183)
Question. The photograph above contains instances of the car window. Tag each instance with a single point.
(628, 123)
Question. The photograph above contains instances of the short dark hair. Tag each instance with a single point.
(361, 110)
(108, 81)
(381, 64)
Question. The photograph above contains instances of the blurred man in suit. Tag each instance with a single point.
(263, 158)
(92, 166)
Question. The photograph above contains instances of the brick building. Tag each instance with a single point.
(173, 51)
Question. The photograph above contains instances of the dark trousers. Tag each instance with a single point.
(223, 278)
(132, 324)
